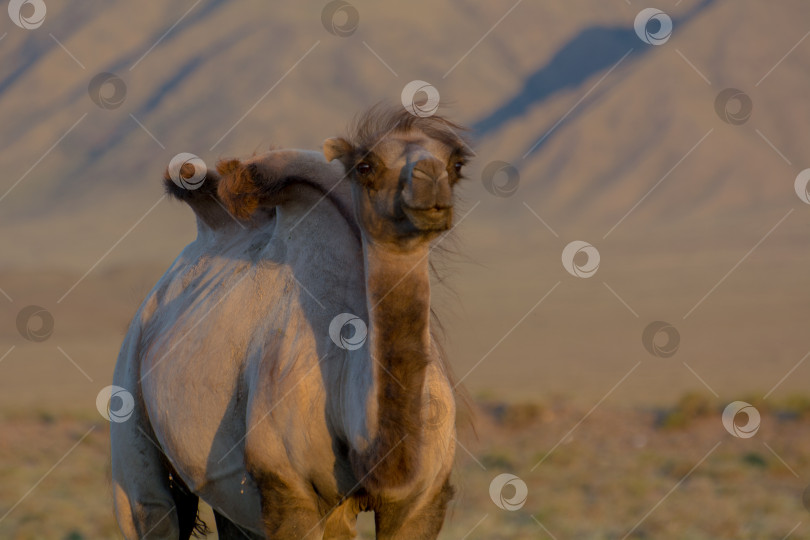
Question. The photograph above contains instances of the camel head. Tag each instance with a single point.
(404, 169)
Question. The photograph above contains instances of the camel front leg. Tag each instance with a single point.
(341, 523)
(415, 521)
(288, 513)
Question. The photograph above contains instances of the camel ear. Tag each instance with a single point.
(239, 187)
(336, 148)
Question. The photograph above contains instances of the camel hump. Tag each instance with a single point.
(189, 180)
(245, 190)
(270, 179)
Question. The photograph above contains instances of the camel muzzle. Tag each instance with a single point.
(427, 198)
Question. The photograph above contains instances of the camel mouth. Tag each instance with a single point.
(429, 219)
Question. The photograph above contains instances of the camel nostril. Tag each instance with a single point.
(427, 186)
(428, 192)
(430, 167)
(428, 176)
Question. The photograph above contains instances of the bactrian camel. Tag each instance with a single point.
(242, 398)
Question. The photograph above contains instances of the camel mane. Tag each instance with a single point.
(381, 120)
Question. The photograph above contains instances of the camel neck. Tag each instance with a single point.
(398, 295)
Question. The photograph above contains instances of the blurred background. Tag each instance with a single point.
(631, 254)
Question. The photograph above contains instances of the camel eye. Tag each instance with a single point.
(363, 168)
(457, 166)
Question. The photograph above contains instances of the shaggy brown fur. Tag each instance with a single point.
(239, 187)
(381, 120)
(402, 319)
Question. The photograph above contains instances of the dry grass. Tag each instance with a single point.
(597, 482)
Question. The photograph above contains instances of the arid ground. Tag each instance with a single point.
(621, 473)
